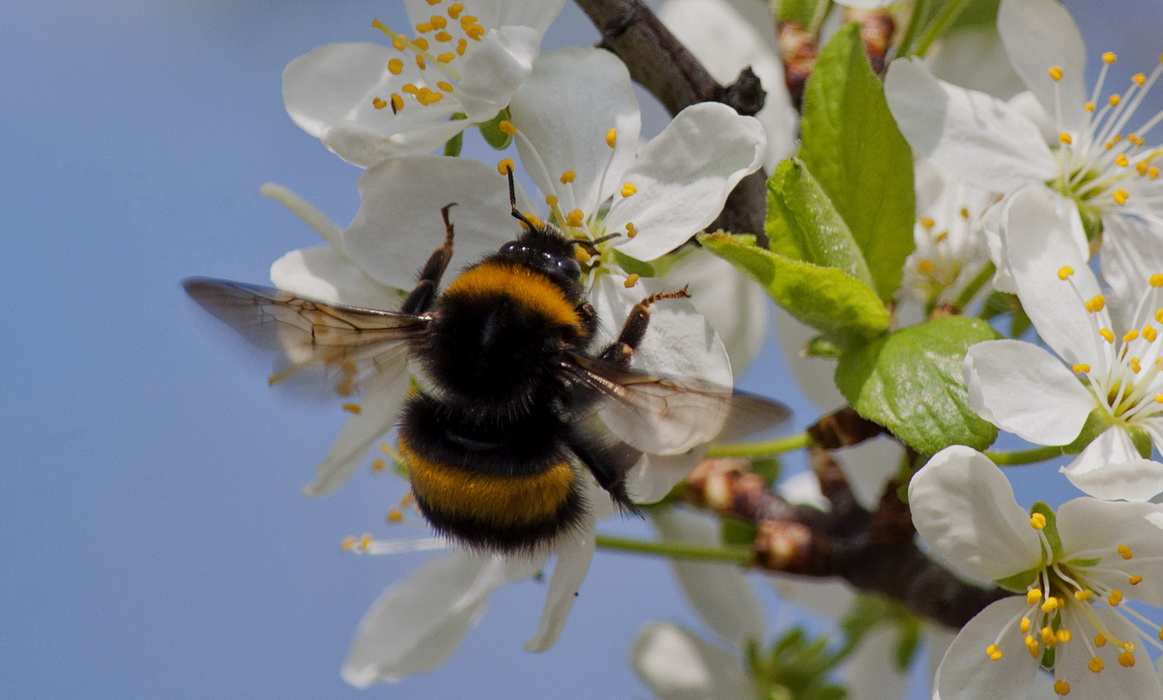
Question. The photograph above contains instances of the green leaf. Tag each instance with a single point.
(453, 145)
(491, 131)
(852, 146)
(912, 383)
(844, 309)
(633, 265)
(736, 532)
(1050, 530)
(812, 223)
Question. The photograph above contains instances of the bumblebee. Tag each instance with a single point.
(515, 409)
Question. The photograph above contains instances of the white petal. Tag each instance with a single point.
(380, 407)
(972, 57)
(495, 68)
(970, 134)
(678, 665)
(359, 145)
(964, 507)
(684, 175)
(735, 305)
(538, 14)
(812, 374)
(868, 466)
(718, 592)
(655, 475)
(320, 273)
(398, 224)
(1091, 526)
(966, 673)
(563, 111)
(573, 562)
(415, 625)
(1132, 251)
(725, 43)
(1111, 468)
(1042, 234)
(1040, 34)
(804, 489)
(1021, 388)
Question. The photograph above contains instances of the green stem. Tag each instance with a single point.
(675, 550)
(920, 9)
(1036, 454)
(939, 26)
(765, 448)
(975, 285)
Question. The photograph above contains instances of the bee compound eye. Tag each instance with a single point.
(568, 266)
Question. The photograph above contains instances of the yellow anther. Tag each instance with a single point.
(421, 63)
(1121, 196)
(1159, 315)
(379, 103)
(1095, 664)
(1139, 79)
(1156, 280)
(612, 138)
(1152, 172)
(1055, 73)
(1158, 398)
(377, 465)
(551, 200)
(1079, 368)
(1061, 687)
(1064, 272)
(506, 166)
(1114, 102)
(575, 218)
(1135, 366)
(1126, 659)
(438, 22)
(507, 127)
(1037, 520)
(1107, 335)
(1109, 57)
(1134, 579)
(1089, 106)
(1025, 624)
(395, 66)
(1121, 160)
(631, 280)
(461, 46)
(410, 88)
(567, 177)
(444, 85)
(1115, 597)
(446, 57)
(1065, 138)
(455, 9)
(1083, 595)
(1063, 635)
(424, 27)
(420, 43)
(1032, 645)
(1033, 596)
(628, 189)
(1130, 335)
(352, 408)
(927, 222)
(582, 254)
(1097, 303)
(395, 516)
(1125, 551)
(993, 652)
(1100, 640)
(926, 266)
(631, 229)
(1048, 638)
(1050, 605)
(365, 541)
(347, 544)
(397, 102)
(398, 43)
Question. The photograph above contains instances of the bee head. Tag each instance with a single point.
(545, 251)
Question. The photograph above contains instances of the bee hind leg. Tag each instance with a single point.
(634, 329)
(420, 298)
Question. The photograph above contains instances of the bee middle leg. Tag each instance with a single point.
(420, 298)
(634, 329)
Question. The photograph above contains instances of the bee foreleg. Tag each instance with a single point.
(420, 298)
(634, 329)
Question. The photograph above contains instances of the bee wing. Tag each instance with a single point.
(351, 344)
(667, 415)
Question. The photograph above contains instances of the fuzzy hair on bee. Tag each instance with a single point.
(514, 413)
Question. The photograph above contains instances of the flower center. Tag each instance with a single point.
(432, 58)
(1126, 374)
(1107, 165)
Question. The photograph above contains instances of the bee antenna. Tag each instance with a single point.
(513, 201)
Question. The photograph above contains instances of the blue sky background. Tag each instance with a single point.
(153, 540)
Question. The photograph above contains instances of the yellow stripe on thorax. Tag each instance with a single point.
(528, 287)
(487, 497)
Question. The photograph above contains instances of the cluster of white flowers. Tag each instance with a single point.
(1014, 195)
